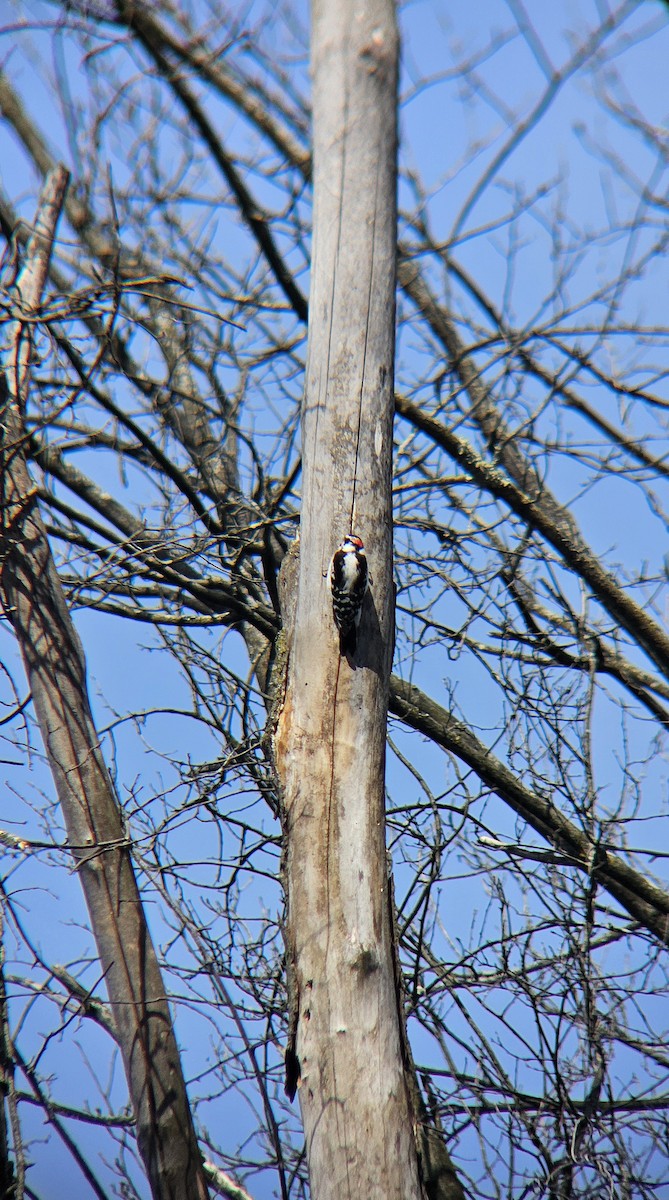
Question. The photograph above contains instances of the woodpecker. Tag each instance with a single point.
(348, 577)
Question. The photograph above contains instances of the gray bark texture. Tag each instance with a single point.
(33, 601)
(359, 1120)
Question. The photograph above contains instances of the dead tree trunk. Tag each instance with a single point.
(53, 656)
(330, 741)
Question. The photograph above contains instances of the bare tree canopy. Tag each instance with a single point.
(160, 441)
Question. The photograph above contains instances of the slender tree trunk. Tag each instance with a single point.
(53, 656)
(12, 1179)
(330, 742)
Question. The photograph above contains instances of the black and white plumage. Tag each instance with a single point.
(348, 577)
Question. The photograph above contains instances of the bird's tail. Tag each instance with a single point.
(348, 641)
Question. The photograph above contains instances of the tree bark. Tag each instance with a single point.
(359, 1121)
(54, 661)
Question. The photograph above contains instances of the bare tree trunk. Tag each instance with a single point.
(12, 1179)
(33, 600)
(358, 1117)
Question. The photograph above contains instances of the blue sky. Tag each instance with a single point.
(578, 164)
